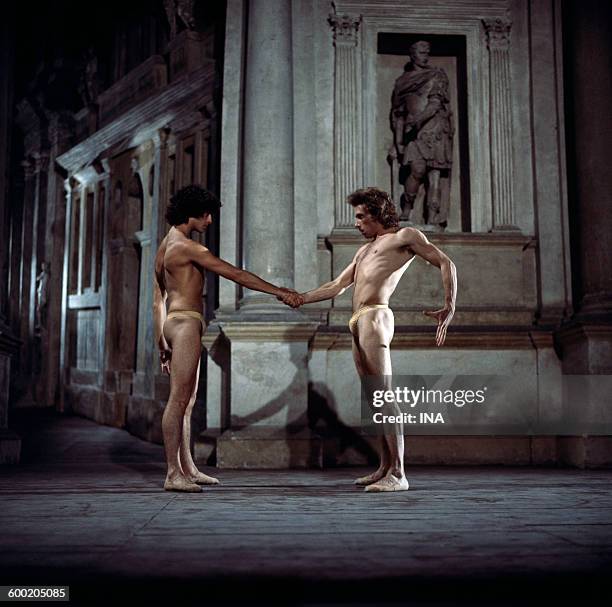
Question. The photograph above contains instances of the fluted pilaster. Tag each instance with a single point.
(500, 99)
(347, 146)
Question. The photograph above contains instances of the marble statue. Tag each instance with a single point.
(42, 286)
(421, 121)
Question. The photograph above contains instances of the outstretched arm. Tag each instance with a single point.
(336, 287)
(418, 243)
(206, 259)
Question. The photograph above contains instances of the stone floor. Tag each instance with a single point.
(85, 508)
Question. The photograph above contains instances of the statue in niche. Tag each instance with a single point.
(422, 127)
(42, 286)
(184, 10)
(89, 83)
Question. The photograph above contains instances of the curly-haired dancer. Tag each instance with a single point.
(375, 271)
(180, 264)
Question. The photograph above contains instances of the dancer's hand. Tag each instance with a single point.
(165, 357)
(444, 317)
(290, 297)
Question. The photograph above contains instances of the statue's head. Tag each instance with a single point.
(374, 210)
(192, 205)
(419, 53)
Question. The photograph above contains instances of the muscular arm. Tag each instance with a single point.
(159, 310)
(417, 241)
(419, 244)
(336, 287)
(159, 300)
(206, 259)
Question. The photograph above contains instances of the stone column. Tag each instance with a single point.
(500, 112)
(268, 148)
(586, 341)
(10, 443)
(257, 358)
(347, 132)
(26, 320)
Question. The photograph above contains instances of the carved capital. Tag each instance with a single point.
(498, 33)
(346, 29)
(28, 169)
(61, 128)
(160, 137)
(41, 162)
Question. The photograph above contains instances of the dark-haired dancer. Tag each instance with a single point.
(375, 271)
(179, 270)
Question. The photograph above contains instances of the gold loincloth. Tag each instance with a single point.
(355, 317)
(188, 314)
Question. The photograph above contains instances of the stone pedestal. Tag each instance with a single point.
(261, 368)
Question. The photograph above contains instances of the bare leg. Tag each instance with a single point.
(188, 466)
(183, 335)
(375, 331)
(383, 467)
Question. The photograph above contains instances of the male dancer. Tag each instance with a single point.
(375, 271)
(180, 264)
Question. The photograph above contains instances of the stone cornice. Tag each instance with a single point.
(144, 119)
(409, 340)
(268, 331)
(576, 331)
(511, 239)
(417, 9)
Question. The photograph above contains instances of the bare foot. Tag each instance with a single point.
(388, 483)
(203, 479)
(180, 483)
(370, 478)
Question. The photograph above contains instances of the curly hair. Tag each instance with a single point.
(379, 206)
(191, 201)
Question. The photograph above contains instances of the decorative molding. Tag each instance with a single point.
(417, 9)
(479, 340)
(268, 331)
(484, 239)
(142, 121)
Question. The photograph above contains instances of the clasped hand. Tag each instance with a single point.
(290, 297)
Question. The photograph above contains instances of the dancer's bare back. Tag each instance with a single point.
(180, 265)
(178, 273)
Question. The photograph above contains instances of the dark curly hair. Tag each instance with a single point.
(378, 204)
(191, 201)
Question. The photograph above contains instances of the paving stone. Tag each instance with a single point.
(86, 507)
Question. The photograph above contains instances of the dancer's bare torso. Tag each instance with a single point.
(379, 265)
(182, 277)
